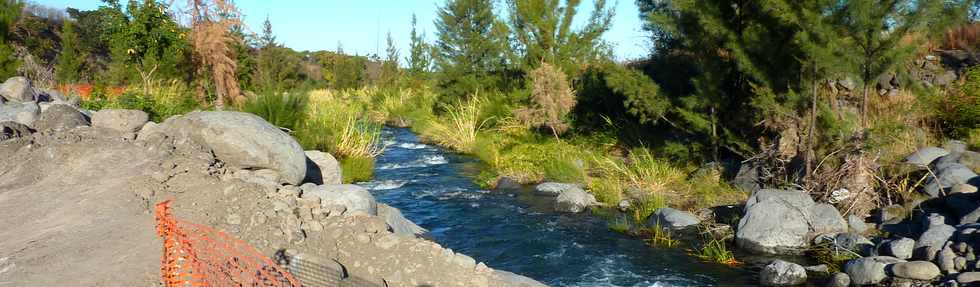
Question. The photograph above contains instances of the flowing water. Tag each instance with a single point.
(520, 232)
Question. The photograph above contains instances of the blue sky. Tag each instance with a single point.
(360, 25)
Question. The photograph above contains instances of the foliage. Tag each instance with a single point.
(160, 100)
(716, 250)
(213, 43)
(458, 128)
(357, 169)
(336, 124)
(9, 12)
(552, 99)
(420, 53)
(958, 111)
(471, 49)
(70, 60)
(390, 73)
(543, 31)
(662, 237)
(283, 110)
(144, 39)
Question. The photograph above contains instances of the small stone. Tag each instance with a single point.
(900, 248)
(782, 273)
(963, 188)
(839, 280)
(822, 268)
(946, 259)
(959, 263)
(917, 270)
(968, 277)
(233, 219)
(856, 224)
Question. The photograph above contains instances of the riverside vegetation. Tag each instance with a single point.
(826, 97)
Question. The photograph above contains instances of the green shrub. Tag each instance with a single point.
(357, 169)
(457, 129)
(716, 250)
(285, 110)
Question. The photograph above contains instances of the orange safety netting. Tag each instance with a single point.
(197, 255)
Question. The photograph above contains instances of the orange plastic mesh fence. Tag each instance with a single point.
(197, 255)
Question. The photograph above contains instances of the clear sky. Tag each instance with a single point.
(360, 25)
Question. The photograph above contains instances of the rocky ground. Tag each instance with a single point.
(77, 190)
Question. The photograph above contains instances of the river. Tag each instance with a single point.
(519, 231)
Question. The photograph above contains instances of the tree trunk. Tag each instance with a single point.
(810, 153)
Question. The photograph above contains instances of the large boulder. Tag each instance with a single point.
(18, 90)
(869, 270)
(782, 273)
(948, 176)
(353, 197)
(60, 117)
(926, 156)
(322, 168)
(399, 224)
(785, 222)
(574, 201)
(554, 188)
(241, 141)
(12, 130)
(120, 120)
(23, 113)
(672, 218)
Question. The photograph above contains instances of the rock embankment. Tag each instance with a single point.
(931, 239)
(76, 201)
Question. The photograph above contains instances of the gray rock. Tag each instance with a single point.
(574, 201)
(782, 273)
(672, 218)
(17, 90)
(916, 270)
(856, 224)
(515, 280)
(968, 277)
(747, 177)
(554, 188)
(946, 260)
(820, 268)
(129, 121)
(963, 188)
(784, 222)
(60, 117)
(947, 177)
(926, 156)
(12, 130)
(399, 224)
(242, 141)
(971, 160)
(353, 197)
(854, 242)
(23, 113)
(839, 279)
(900, 248)
(322, 168)
(869, 270)
(932, 240)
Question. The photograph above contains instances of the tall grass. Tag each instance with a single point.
(458, 127)
(287, 110)
(159, 99)
(336, 123)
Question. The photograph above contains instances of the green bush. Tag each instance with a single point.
(287, 110)
(357, 169)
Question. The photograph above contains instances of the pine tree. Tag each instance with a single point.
(543, 28)
(419, 58)
(267, 39)
(471, 48)
(390, 73)
(70, 60)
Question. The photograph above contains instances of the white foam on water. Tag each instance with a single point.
(385, 184)
(434, 159)
(408, 145)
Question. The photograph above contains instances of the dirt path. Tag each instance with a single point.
(69, 217)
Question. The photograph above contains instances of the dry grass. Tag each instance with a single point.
(963, 37)
(458, 128)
